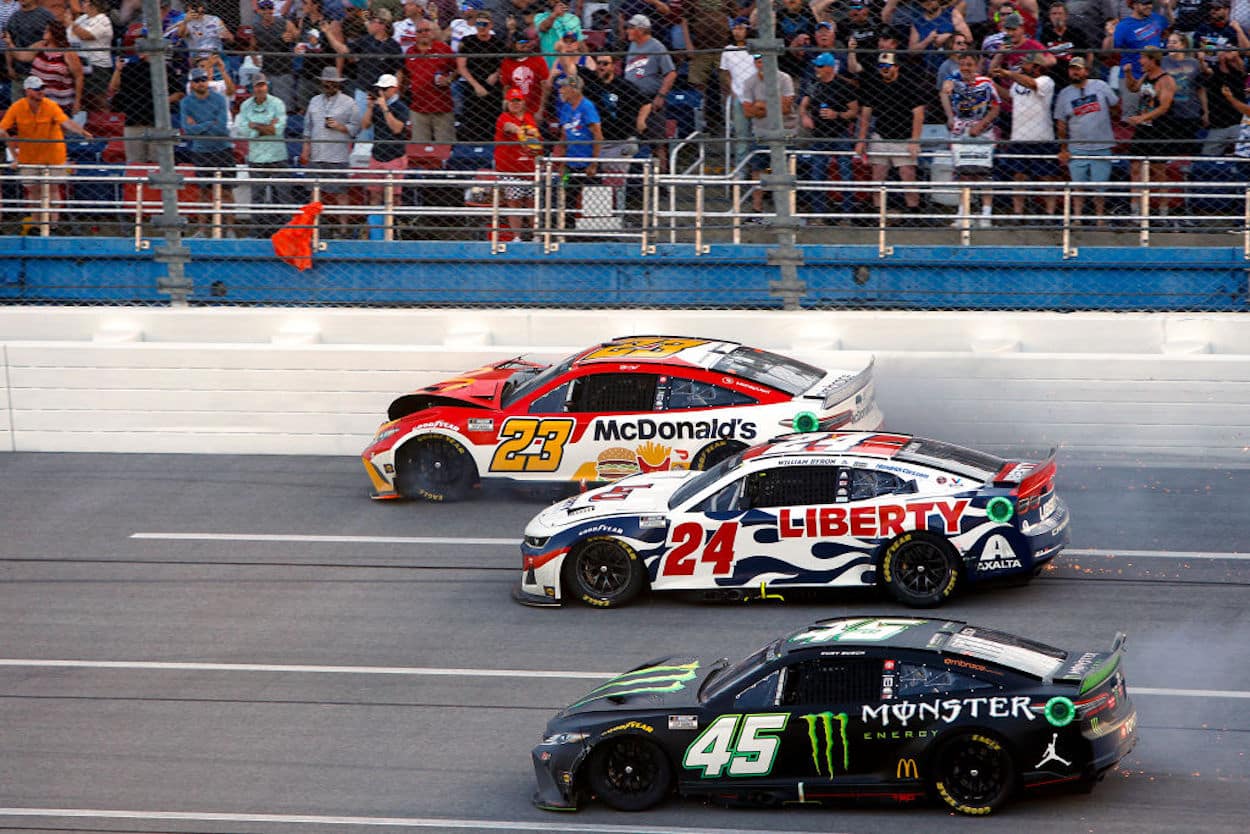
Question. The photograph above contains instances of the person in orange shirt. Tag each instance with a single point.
(40, 139)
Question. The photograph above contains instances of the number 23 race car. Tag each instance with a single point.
(637, 404)
(891, 707)
(854, 509)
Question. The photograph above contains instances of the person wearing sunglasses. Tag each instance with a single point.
(478, 64)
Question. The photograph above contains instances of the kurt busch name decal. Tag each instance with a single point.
(628, 430)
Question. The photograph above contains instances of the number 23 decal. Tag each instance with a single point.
(687, 538)
(528, 444)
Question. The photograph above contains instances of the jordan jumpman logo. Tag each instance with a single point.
(1051, 754)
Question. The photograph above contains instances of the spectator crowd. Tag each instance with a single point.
(998, 90)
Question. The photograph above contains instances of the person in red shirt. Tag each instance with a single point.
(526, 71)
(431, 68)
(517, 142)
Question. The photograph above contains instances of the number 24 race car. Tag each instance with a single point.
(636, 404)
(855, 509)
(891, 707)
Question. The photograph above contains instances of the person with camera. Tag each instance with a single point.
(203, 32)
(391, 122)
(369, 57)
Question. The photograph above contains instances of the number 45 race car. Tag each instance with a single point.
(855, 509)
(637, 404)
(891, 707)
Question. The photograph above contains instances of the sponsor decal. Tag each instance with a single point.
(948, 710)
(867, 630)
(970, 666)
(997, 555)
(601, 528)
(481, 424)
(683, 722)
(654, 457)
(615, 463)
(906, 769)
(1129, 725)
(881, 521)
(898, 735)
(388, 468)
(820, 735)
(1051, 754)
(629, 725)
(910, 473)
(437, 424)
(651, 680)
(1082, 664)
(651, 522)
(616, 430)
(647, 347)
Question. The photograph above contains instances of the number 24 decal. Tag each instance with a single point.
(742, 742)
(518, 435)
(719, 550)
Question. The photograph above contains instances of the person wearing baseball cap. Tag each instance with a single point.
(828, 109)
(650, 68)
(391, 121)
(372, 54)
(1031, 154)
(517, 143)
(262, 121)
(1140, 30)
(38, 125)
(899, 110)
(1084, 114)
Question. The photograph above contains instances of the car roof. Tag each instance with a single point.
(681, 351)
(904, 448)
(841, 632)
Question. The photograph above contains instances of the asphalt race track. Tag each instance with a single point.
(232, 644)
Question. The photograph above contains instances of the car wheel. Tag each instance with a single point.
(604, 573)
(974, 774)
(435, 468)
(629, 774)
(714, 452)
(920, 569)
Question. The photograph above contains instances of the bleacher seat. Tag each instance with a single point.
(139, 171)
(596, 39)
(428, 157)
(471, 157)
(684, 110)
(105, 124)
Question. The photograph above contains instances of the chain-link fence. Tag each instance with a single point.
(693, 124)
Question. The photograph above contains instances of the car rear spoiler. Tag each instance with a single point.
(1027, 479)
(1089, 677)
(845, 388)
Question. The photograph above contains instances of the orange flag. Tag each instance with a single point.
(293, 242)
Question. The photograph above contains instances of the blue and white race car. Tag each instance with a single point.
(917, 516)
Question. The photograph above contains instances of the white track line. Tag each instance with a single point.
(391, 822)
(424, 671)
(412, 671)
(282, 537)
(277, 537)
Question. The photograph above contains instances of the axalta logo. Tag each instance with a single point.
(820, 734)
(618, 430)
(997, 555)
(870, 522)
(949, 710)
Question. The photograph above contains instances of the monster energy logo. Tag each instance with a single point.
(825, 721)
(653, 679)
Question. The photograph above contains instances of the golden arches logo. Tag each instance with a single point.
(907, 769)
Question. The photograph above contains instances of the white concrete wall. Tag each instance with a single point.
(313, 381)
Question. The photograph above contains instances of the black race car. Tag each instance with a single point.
(846, 708)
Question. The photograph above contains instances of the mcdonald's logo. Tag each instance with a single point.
(906, 769)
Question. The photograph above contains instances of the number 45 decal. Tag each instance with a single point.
(743, 743)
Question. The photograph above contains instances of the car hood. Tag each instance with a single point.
(479, 387)
(669, 682)
(643, 494)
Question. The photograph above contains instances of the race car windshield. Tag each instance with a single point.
(728, 678)
(522, 382)
(766, 368)
(704, 478)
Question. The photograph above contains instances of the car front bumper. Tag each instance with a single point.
(554, 772)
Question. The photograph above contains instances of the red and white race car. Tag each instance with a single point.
(634, 404)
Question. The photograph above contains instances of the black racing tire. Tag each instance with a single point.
(435, 468)
(604, 573)
(973, 773)
(714, 452)
(921, 570)
(629, 774)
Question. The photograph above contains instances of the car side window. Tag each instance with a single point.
(726, 499)
(760, 695)
(784, 486)
(554, 401)
(829, 680)
(691, 393)
(613, 392)
(916, 679)
(870, 483)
